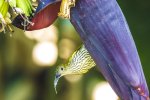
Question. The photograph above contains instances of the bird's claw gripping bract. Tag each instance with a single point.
(46, 13)
(79, 63)
(65, 8)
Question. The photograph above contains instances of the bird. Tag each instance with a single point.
(79, 63)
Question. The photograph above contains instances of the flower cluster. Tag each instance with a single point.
(22, 8)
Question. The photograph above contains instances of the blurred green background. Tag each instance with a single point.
(28, 60)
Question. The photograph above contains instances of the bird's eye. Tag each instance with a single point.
(62, 68)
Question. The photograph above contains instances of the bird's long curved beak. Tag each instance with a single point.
(57, 77)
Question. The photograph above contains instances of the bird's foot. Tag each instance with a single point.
(65, 7)
(64, 15)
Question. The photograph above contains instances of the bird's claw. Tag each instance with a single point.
(65, 8)
(64, 15)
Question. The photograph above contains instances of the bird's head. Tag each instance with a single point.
(60, 71)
